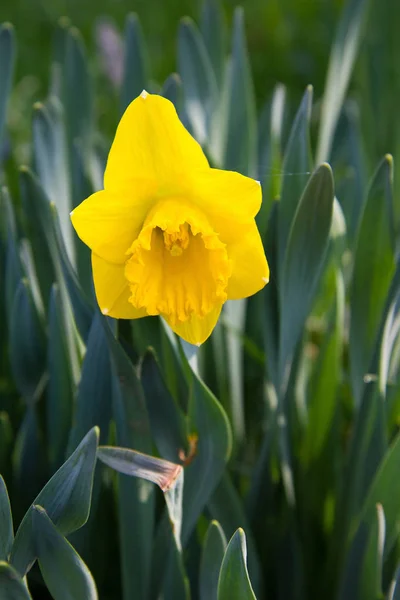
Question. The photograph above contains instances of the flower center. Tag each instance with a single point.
(177, 266)
(177, 241)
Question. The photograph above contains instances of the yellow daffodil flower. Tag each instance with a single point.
(169, 235)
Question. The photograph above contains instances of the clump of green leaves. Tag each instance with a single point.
(275, 446)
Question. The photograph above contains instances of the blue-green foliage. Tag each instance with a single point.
(276, 443)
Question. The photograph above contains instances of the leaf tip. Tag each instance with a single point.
(36, 508)
(186, 22)
(7, 26)
(326, 167)
(64, 22)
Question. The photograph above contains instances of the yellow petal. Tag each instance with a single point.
(250, 271)
(109, 222)
(196, 329)
(227, 198)
(112, 290)
(152, 143)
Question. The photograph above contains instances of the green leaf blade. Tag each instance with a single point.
(6, 524)
(238, 107)
(341, 63)
(198, 80)
(12, 586)
(61, 385)
(63, 570)
(7, 61)
(234, 582)
(66, 498)
(374, 267)
(211, 559)
(135, 71)
(296, 166)
(304, 257)
(209, 425)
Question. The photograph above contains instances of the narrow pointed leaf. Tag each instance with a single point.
(234, 582)
(296, 167)
(94, 397)
(61, 385)
(83, 185)
(27, 343)
(78, 106)
(135, 72)
(385, 490)
(271, 321)
(7, 60)
(362, 571)
(52, 261)
(226, 507)
(28, 464)
(343, 54)
(214, 34)
(389, 335)
(208, 426)
(213, 552)
(310, 232)
(6, 443)
(6, 524)
(198, 79)
(326, 378)
(172, 90)
(394, 591)
(13, 267)
(371, 577)
(234, 312)
(135, 496)
(51, 163)
(374, 266)
(64, 572)
(36, 210)
(12, 586)
(66, 499)
(170, 441)
(367, 450)
(238, 106)
(270, 167)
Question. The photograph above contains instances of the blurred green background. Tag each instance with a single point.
(289, 41)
